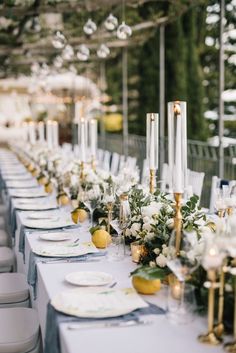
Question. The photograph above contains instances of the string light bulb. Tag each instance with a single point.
(111, 22)
(124, 31)
(90, 27)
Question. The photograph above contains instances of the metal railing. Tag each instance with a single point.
(201, 157)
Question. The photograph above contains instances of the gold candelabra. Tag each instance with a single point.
(82, 171)
(231, 346)
(93, 164)
(109, 216)
(219, 328)
(210, 337)
(152, 181)
(178, 221)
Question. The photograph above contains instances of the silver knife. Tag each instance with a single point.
(135, 322)
(56, 261)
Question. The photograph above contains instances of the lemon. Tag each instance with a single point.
(34, 172)
(145, 286)
(30, 167)
(63, 199)
(79, 215)
(48, 187)
(101, 238)
(42, 180)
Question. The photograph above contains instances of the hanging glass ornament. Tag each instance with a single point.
(58, 40)
(103, 51)
(111, 22)
(33, 25)
(83, 53)
(124, 31)
(68, 52)
(90, 27)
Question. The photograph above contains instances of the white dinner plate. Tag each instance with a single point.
(98, 302)
(29, 206)
(14, 177)
(54, 223)
(89, 278)
(21, 184)
(68, 250)
(57, 236)
(27, 193)
(43, 216)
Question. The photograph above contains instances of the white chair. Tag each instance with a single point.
(4, 239)
(131, 162)
(100, 156)
(115, 163)
(14, 291)
(195, 180)
(19, 331)
(76, 151)
(122, 162)
(7, 259)
(106, 161)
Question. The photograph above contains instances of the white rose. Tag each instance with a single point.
(152, 264)
(157, 251)
(170, 223)
(147, 227)
(135, 228)
(165, 251)
(152, 209)
(169, 209)
(128, 232)
(149, 236)
(161, 260)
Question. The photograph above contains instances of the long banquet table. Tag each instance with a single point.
(159, 336)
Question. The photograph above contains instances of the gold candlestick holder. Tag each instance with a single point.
(229, 211)
(82, 171)
(93, 164)
(221, 213)
(109, 216)
(210, 337)
(152, 181)
(178, 221)
(219, 328)
(231, 346)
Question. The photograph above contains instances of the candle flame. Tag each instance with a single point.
(212, 252)
(177, 109)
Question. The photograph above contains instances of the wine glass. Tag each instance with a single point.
(182, 264)
(220, 202)
(109, 198)
(91, 198)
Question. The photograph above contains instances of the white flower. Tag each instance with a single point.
(170, 223)
(152, 264)
(149, 236)
(135, 228)
(169, 209)
(128, 232)
(161, 260)
(157, 251)
(147, 227)
(165, 250)
(152, 209)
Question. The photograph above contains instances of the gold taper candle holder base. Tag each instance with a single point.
(221, 213)
(152, 181)
(178, 221)
(93, 164)
(219, 329)
(229, 211)
(109, 216)
(210, 338)
(82, 171)
(230, 347)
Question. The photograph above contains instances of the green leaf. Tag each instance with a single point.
(151, 273)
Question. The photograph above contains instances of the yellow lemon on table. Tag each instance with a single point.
(101, 238)
(48, 187)
(30, 167)
(146, 286)
(63, 199)
(34, 172)
(79, 215)
(42, 180)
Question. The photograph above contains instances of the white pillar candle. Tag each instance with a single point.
(32, 133)
(152, 136)
(178, 177)
(49, 134)
(82, 141)
(41, 131)
(55, 134)
(93, 138)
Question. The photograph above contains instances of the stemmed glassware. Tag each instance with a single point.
(109, 199)
(91, 198)
(182, 265)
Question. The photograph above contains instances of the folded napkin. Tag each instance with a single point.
(55, 318)
(34, 259)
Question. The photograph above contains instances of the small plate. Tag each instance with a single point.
(59, 236)
(89, 278)
(65, 250)
(98, 302)
(43, 215)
